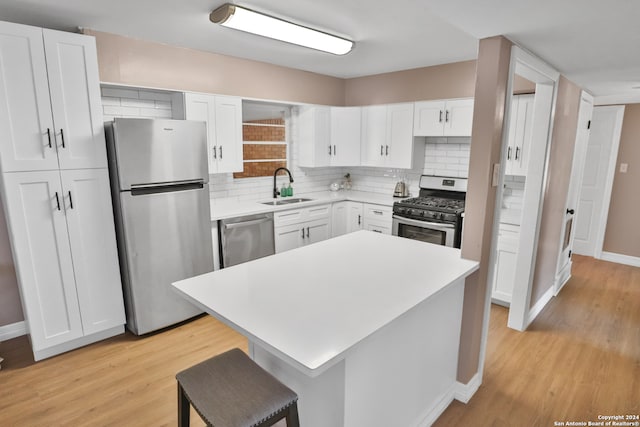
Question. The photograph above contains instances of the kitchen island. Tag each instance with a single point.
(364, 327)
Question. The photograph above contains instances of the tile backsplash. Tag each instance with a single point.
(443, 156)
(118, 102)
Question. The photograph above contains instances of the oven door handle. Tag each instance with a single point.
(419, 223)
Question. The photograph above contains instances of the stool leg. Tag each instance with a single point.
(292, 416)
(183, 408)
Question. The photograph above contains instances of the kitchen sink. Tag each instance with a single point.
(286, 201)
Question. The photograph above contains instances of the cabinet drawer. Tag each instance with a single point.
(287, 217)
(296, 216)
(377, 212)
(378, 227)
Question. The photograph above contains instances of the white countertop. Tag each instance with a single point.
(311, 305)
(231, 208)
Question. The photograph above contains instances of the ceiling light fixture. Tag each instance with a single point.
(240, 18)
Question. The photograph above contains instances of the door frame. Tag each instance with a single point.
(546, 78)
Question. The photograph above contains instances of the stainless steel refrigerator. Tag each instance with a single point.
(159, 183)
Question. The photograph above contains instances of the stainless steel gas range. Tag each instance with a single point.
(436, 215)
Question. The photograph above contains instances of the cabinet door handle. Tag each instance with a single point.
(446, 117)
(376, 231)
(382, 150)
(70, 200)
(220, 148)
(571, 211)
(377, 212)
(215, 153)
(62, 137)
(49, 137)
(509, 153)
(387, 152)
(307, 232)
(335, 152)
(440, 118)
(303, 232)
(359, 219)
(329, 149)
(57, 201)
(517, 152)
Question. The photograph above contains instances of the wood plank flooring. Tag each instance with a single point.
(579, 359)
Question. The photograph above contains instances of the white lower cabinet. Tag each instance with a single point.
(505, 267)
(346, 217)
(378, 218)
(63, 239)
(300, 227)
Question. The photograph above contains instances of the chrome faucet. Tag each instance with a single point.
(275, 188)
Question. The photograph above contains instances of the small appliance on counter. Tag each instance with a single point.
(401, 190)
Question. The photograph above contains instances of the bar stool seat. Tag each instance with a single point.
(231, 390)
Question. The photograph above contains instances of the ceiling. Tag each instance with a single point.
(592, 42)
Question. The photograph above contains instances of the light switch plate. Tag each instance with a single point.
(496, 175)
(624, 167)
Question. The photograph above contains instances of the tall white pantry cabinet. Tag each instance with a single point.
(55, 188)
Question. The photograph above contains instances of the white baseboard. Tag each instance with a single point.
(13, 330)
(621, 259)
(537, 308)
(464, 392)
(458, 391)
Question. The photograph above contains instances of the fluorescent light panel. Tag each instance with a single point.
(237, 17)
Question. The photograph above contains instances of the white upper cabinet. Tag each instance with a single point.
(443, 118)
(520, 126)
(314, 136)
(387, 136)
(223, 116)
(345, 136)
(51, 105)
(329, 136)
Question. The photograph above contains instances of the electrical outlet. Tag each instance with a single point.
(624, 167)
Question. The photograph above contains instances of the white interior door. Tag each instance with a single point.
(577, 170)
(593, 204)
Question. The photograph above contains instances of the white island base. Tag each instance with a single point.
(363, 344)
(402, 375)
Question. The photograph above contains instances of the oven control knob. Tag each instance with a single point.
(441, 216)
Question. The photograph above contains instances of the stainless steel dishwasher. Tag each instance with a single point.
(246, 238)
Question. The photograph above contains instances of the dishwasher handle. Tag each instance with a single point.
(246, 223)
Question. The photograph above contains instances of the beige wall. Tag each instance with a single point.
(486, 141)
(557, 187)
(135, 62)
(456, 80)
(622, 235)
(10, 307)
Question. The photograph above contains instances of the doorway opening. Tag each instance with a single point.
(523, 169)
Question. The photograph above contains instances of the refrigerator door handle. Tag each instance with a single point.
(164, 187)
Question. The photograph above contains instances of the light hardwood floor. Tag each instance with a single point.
(579, 359)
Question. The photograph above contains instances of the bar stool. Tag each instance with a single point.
(231, 390)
